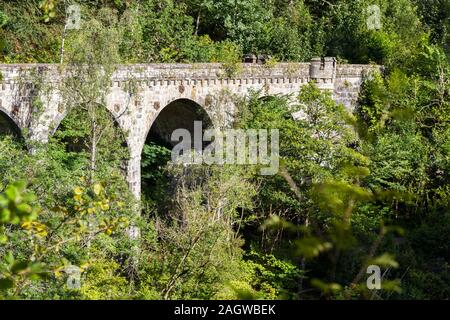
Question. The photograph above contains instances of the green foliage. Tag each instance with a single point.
(15, 205)
(323, 192)
(154, 178)
(195, 30)
(153, 155)
(396, 43)
(271, 277)
(435, 15)
(224, 232)
(198, 251)
(48, 8)
(103, 281)
(313, 148)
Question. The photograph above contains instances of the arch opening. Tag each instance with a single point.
(179, 114)
(9, 127)
(268, 98)
(81, 134)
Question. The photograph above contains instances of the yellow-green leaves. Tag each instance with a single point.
(95, 202)
(16, 205)
(326, 288)
(65, 264)
(97, 189)
(15, 270)
(36, 228)
(111, 225)
(311, 247)
(91, 201)
(275, 222)
(77, 195)
(334, 196)
(78, 191)
(3, 236)
(385, 260)
(48, 8)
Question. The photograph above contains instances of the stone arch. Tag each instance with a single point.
(58, 124)
(291, 99)
(59, 118)
(9, 126)
(178, 113)
(269, 97)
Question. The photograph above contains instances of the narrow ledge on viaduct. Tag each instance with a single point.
(160, 84)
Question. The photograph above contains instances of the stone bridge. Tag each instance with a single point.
(170, 92)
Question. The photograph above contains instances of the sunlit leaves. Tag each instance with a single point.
(97, 189)
(385, 260)
(88, 216)
(3, 236)
(111, 225)
(36, 228)
(65, 266)
(324, 146)
(48, 7)
(95, 202)
(275, 222)
(78, 191)
(16, 204)
(326, 288)
(311, 247)
(91, 201)
(13, 270)
(336, 197)
(392, 285)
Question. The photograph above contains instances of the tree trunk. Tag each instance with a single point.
(63, 38)
(93, 159)
(197, 23)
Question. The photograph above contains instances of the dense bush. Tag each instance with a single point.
(369, 186)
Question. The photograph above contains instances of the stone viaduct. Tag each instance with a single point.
(204, 85)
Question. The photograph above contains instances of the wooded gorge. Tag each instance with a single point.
(361, 187)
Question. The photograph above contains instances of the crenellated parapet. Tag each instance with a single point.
(158, 85)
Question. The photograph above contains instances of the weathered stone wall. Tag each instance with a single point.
(348, 82)
(160, 84)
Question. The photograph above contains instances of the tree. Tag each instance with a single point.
(197, 251)
(92, 59)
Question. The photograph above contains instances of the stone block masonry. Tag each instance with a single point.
(206, 84)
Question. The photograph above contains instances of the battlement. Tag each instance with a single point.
(160, 85)
(320, 70)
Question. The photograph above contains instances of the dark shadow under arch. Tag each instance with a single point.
(179, 114)
(268, 98)
(9, 127)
